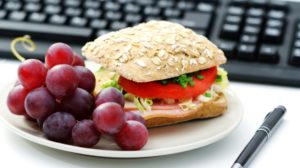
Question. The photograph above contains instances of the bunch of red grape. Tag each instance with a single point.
(57, 95)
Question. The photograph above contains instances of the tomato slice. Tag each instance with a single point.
(155, 89)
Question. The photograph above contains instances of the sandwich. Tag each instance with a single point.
(168, 73)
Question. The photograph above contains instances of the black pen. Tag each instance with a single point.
(260, 137)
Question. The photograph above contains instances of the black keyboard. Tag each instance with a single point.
(261, 38)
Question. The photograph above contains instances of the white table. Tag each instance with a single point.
(280, 150)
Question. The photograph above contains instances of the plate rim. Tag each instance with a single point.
(125, 154)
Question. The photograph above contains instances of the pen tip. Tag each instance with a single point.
(282, 108)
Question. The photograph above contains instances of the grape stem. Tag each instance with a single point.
(26, 42)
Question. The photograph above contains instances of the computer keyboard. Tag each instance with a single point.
(261, 38)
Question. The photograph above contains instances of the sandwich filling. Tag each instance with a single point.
(184, 92)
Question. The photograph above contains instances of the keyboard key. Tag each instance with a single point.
(268, 53)
(101, 32)
(206, 19)
(234, 10)
(274, 23)
(297, 43)
(58, 19)
(246, 52)
(297, 35)
(152, 11)
(253, 21)
(13, 5)
(165, 4)
(249, 39)
(37, 17)
(205, 7)
(17, 15)
(295, 57)
(2, 14)
(132, 8)
(255, 12)
(52, 9)
(276, 14)
(78, 21)
(272, 35)
(112, 6)
(116, 25)
(98, 24)
(254, 30)
(92, 13)
(230, 31)
(73, 11)
(44, 31)
(72, 3)
(172, 13)
(185, 5)
(133, 18)
(233, 19)
(229, 48)
(32, 7)
(149, 18)
(113, 16)
(91, 4)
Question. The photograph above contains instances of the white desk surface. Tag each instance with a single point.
(280, 151)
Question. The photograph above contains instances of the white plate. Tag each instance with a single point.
(162, 141)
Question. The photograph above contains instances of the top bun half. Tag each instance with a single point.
(152, 51)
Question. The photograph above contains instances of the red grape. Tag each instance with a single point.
(62, 80)
(15, 100)
(58, 126)
(78, 60)
(59, 53)
(109, 118)
(39, 103)
(133, 136)
(84, 134)
(87, 79)
(134, 116)
(80, 104)
(110, 94)
(32, 73)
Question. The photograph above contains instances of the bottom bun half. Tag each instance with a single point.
(213, 108)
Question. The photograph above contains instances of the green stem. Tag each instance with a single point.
(27, 43)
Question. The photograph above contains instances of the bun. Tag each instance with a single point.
(213, 108)
(153, 51)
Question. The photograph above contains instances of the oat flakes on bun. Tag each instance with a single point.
(168, 73)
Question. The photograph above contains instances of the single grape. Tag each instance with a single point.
(58, 53)
(80, 104)
(39, 103)
(110, 94)
(87, 79)
(15, 100)
(109, 118)
(85, 134)
(62, 80)
(134, 116)
(58, 126)
(133, 136)
(78, 60)
(32, 73)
